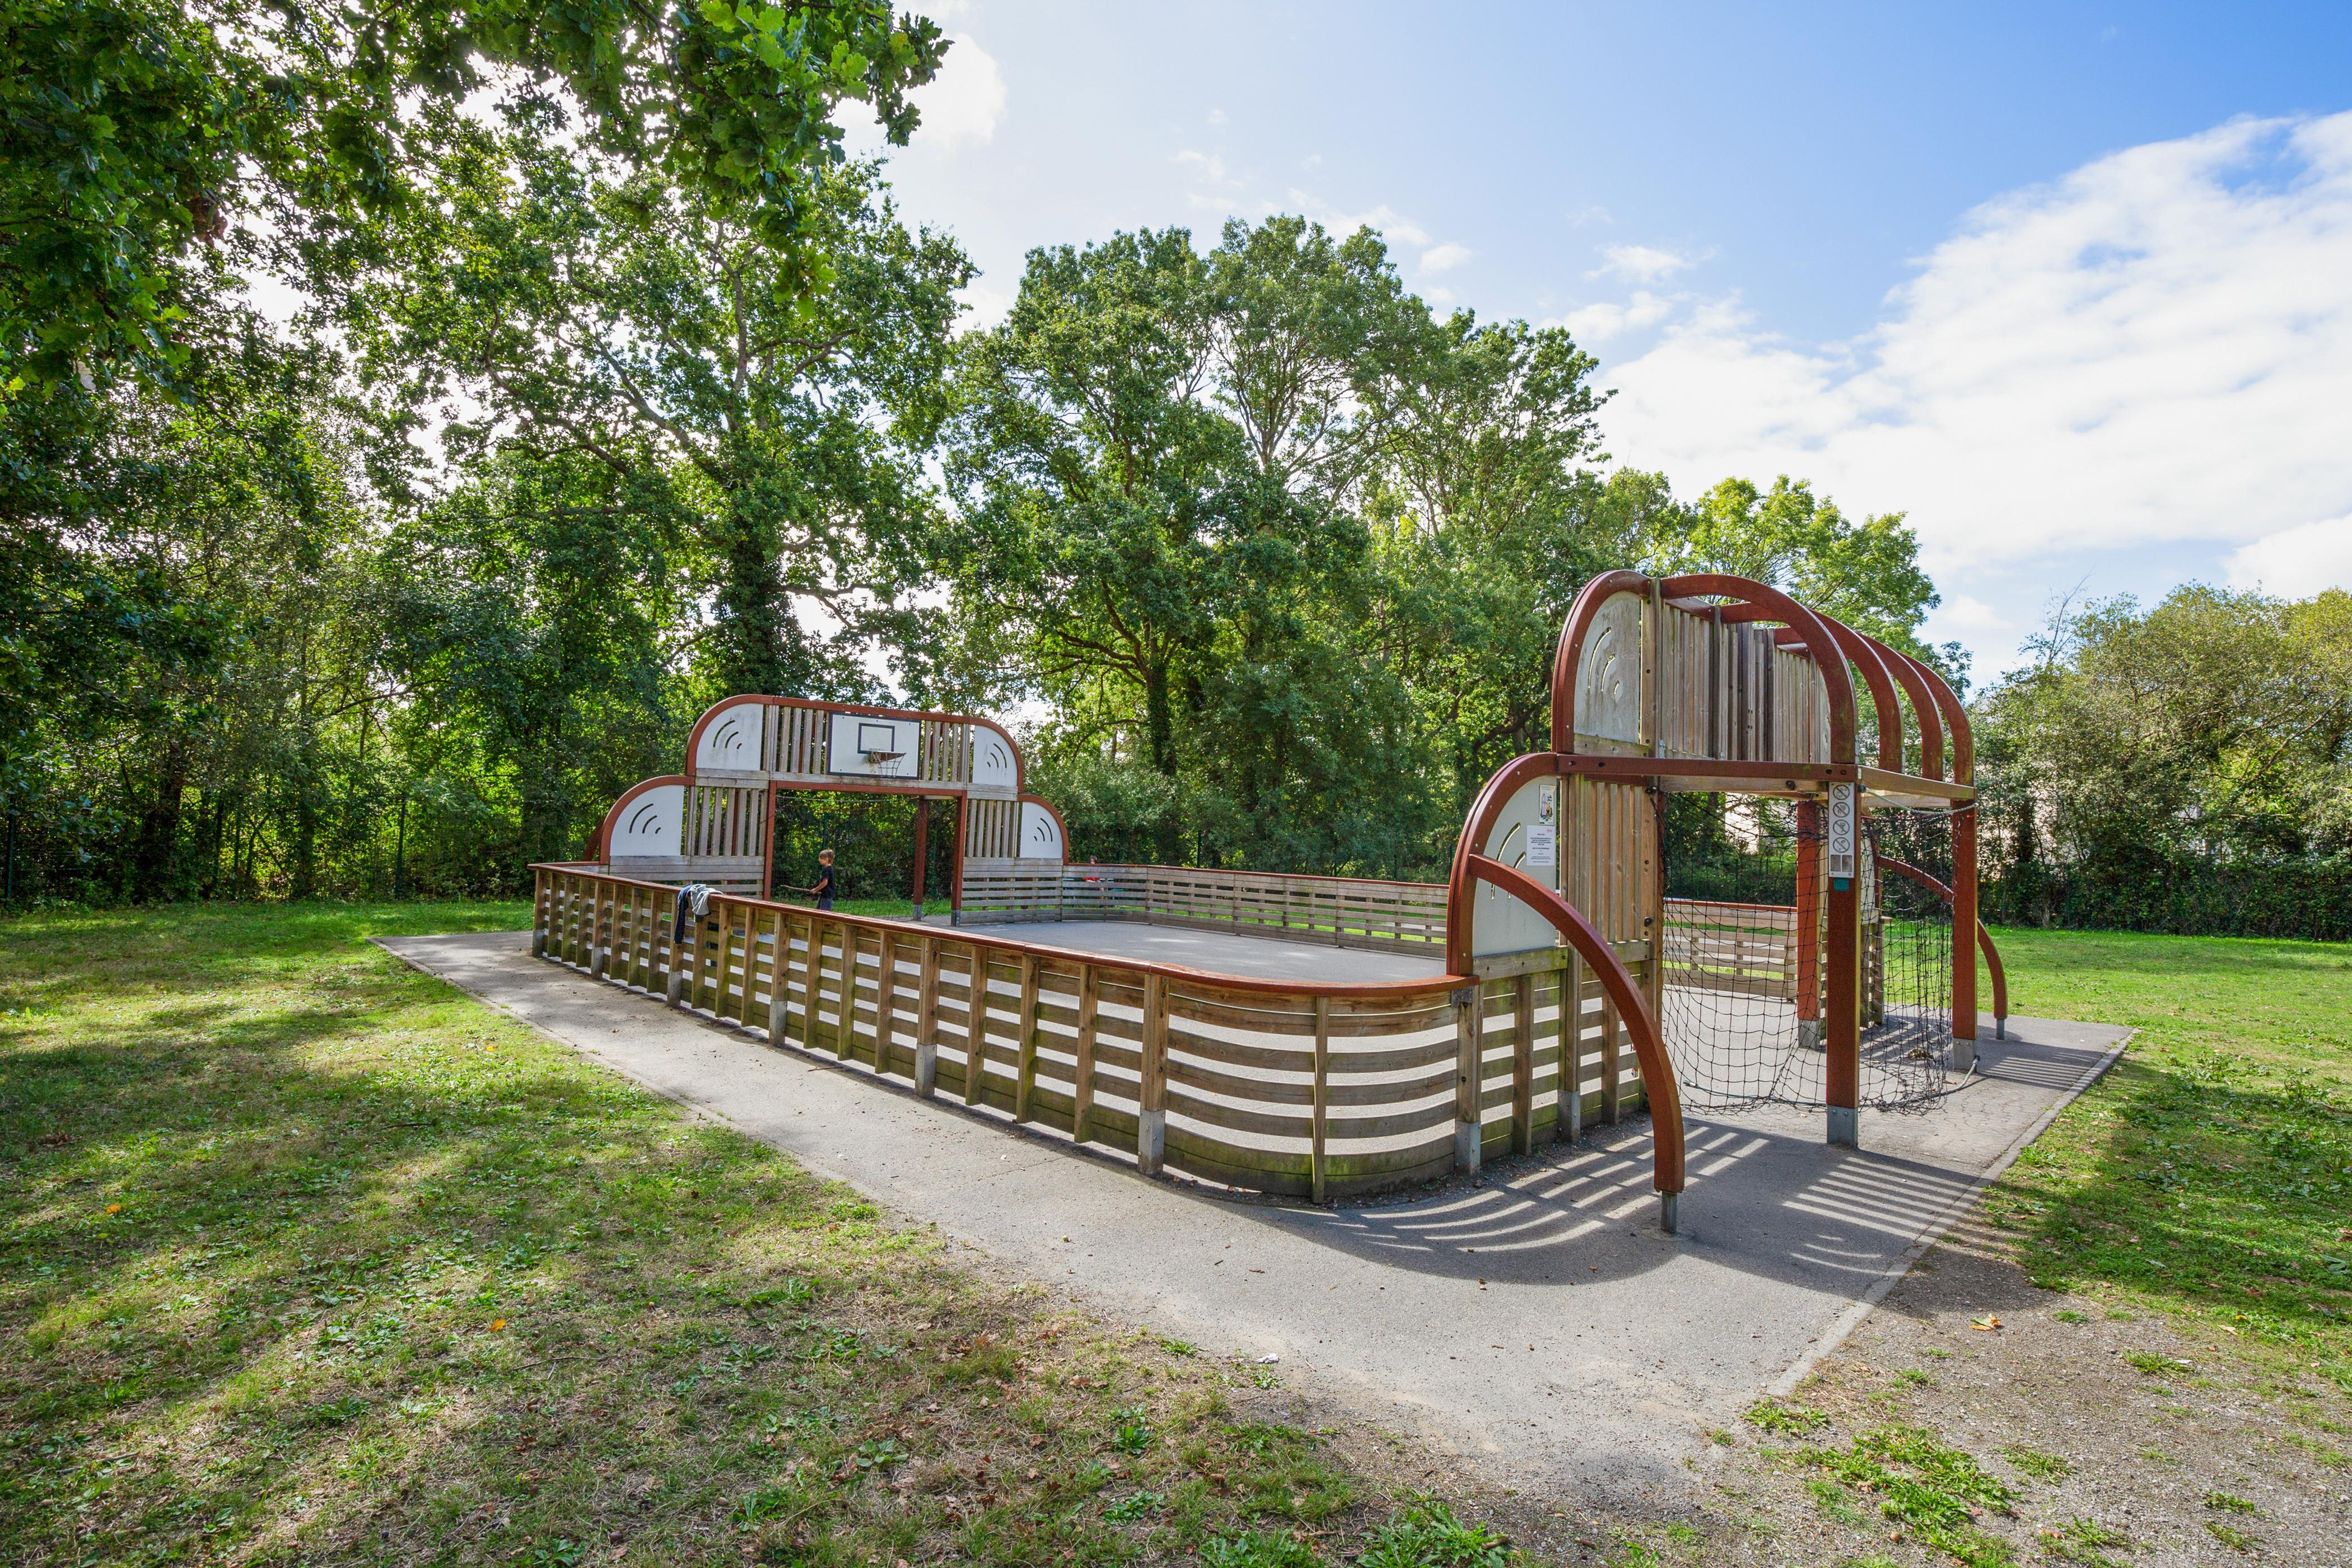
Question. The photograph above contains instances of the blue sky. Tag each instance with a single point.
(2070, 286)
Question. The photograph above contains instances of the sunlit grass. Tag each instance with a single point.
(2210, 1174)
(307, 1256)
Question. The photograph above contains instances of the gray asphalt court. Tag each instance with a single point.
(1536, 1321)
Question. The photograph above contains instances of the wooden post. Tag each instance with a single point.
(1469, 1044)
(1151, 1100)
(1808, 932)
(779, 956)
(700, 982)
(674, 976)
(1571, 1051)
(1317, 1162)
(955, 871)
(922, 848)
(750, 959)
(1612, 1092)
(844, 1008)
(812, 962)
(635, 971)
(927, 1021)
(1964, 937)
(975, 1065)
(1842, 965)
(1523, 1063)
(767, 848)
(1025, 1079)
(1082, 1114)
(539, 889)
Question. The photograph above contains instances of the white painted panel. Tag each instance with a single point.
(1040, 835)
(1609, 671)
(1499, 923)
(731, 742)
(865, 746)
(651, 824)
(992, 763)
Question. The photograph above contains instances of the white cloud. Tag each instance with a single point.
(1962, 613)
(965, 102)
(1390, 222)
(983, 307)
(1640, 263)
(2297, 561)
(1205, 165)
(2157, 347)
(1599, 324)
(1216, 117)
(1446, 258)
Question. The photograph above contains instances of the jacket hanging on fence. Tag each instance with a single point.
(693, 903)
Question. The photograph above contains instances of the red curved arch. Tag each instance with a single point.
(1564, 662)
(1493, 797)
(1864, 655)
(1657, 1070)
(1849, 646)
(1923, 704)
(1984, 937)
(1051, 810)
(600, 848)
(1722, 585)
(1955, 721)
(912, 786)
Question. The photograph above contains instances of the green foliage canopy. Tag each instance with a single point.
(131, 130)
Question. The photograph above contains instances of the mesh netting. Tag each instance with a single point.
(1741, 1008)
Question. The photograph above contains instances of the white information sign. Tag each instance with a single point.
(1543, 846)
(1840, 825)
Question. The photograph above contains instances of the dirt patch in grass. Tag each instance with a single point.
(2169, 1379)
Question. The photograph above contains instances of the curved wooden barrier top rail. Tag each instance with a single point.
(1320, 1090)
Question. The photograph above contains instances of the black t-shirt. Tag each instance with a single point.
(824, 888)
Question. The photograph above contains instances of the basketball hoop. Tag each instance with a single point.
(872, 758)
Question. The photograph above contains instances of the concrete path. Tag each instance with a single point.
(1537, 1317)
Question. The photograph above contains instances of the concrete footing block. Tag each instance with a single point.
(1151, 1140)
(1468, 1140)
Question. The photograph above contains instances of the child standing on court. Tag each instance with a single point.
(824, 879)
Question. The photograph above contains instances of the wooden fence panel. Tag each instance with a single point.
(1321, 1091)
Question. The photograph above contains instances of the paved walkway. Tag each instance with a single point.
(1537, 1318)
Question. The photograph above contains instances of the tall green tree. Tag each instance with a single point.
(132, 130)
(552, 304)
(533, 628)
(1866, 573)
(1489, 517)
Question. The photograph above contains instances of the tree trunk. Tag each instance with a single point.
(755, 622)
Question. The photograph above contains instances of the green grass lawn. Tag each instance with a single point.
(2209, 1176)
(307, 1257)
